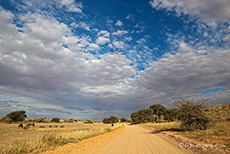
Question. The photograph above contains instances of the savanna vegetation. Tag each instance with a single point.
(41, 134)
(201, 124)
(110, 120)
(188, 112)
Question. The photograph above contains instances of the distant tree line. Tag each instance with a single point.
(190, 114)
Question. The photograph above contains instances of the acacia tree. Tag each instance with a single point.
(142, 116)
(158, 109)
(111, 119)
(191, 114)
(57, 120)
(17, 116)
(171, 115)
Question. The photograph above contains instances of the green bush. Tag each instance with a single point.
(126, 120)
(6, 119)
(143, 116)
(171, 115)
(158, 109)
(55, 120)
(88, 122)
(69, 120)
(191, 115)
(111, 119)
(16, 116)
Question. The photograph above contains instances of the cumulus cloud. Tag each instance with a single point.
(119, 23)
(31, 59)
(102, 40)
(104, 33)
(43, 28)
(120, 32)
(118, 44)
(72, 6)
(211, 12)
(186, 74)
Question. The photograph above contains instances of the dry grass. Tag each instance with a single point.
(15, 140)
(218, 134)
(164, 126)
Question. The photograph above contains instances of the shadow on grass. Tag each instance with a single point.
(166, 130)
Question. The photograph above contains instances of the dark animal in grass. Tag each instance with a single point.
(20, 126)
(42, 127)
(55, 126)
(26, 127)
(31, 124)
(112, 125)
(50, 126)
(62, 126)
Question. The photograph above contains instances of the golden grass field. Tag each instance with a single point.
(35, 140)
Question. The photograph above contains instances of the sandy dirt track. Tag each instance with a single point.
(131, 139)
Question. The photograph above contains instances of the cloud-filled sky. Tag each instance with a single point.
(95, 58)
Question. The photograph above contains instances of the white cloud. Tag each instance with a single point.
(104, 33)
(102, 40)
(208, 11)
(227, 38)
(130, 17)
(45, 72)
(94, 46)
(83, 25)
(120, 32)
(72, 6)
(43, 28)
(186, 74)
(129, 38)
(119, 23)
(183, 47)
(118, 44)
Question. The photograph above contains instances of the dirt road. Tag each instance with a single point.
(129, 140)
(139, 140)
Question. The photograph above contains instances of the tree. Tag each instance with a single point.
(191, 114)
(55, 120)
(171, 115)
(106, 121)
(16, 116)
(125, 120)
(142, 116)
(158, 109)
(111, 119)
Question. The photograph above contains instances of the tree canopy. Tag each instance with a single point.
(158, 109)
(17, 116)
(191, 114)
(142, 116)
(111, 119)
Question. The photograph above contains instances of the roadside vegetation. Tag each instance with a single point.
(192, 120)
(45, 134)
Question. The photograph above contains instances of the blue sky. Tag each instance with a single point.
(95, 58)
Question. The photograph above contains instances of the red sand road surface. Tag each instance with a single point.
(130, 139)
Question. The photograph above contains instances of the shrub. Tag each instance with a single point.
(125, 120)
(171, 115)
(88, 122)
(143, 116)
(69, 120)
(191, 115)
(6, 119)
(158, 109)
(39, 120)
(111, 119)
(16, 116)
(55, 120)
